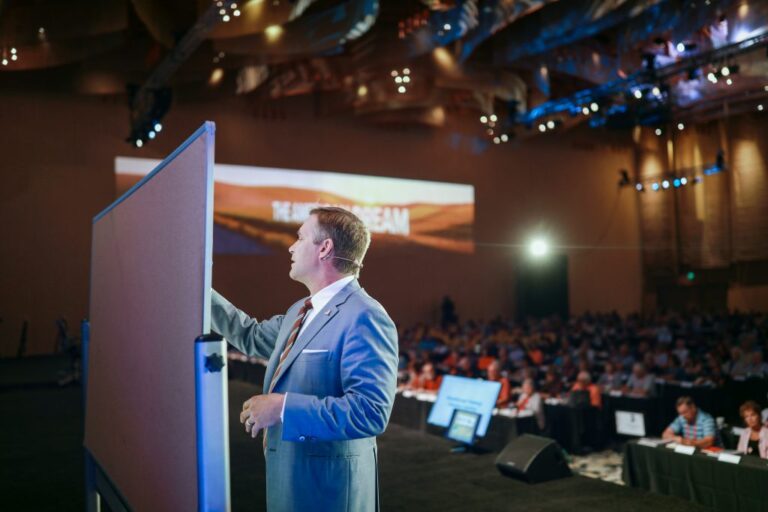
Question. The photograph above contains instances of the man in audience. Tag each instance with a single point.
(568, 370)
(640, 383)
(692, 427)
(625, 357)
(681, 351)
(610, 380)
(757, 367)
(739, 363)
(584, 383)
(553, 385)
(495, 375)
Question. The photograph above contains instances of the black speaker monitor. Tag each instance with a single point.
(533, 459)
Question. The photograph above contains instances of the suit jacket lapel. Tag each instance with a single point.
(317, 323)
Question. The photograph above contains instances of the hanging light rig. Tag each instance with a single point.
(676, 179)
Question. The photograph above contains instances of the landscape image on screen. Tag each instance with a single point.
(258, 209)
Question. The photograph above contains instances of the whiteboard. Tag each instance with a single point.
(149, 300)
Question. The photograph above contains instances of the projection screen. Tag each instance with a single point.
(258, 209)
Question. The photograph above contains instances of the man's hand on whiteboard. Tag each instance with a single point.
(261, 411)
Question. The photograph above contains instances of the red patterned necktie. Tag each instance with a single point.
(288, 346)
(291, 340)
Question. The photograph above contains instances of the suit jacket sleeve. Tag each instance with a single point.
(248, 335)
(369, 380)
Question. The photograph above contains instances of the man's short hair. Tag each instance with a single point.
(685, 400)
(350, 237)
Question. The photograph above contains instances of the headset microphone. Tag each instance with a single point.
(354, 262)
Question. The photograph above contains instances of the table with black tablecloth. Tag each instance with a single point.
(577, 429)
(700, 478)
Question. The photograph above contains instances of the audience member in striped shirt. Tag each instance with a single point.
(692, 427)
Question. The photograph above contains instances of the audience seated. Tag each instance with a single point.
(619, 354)
(692, 427)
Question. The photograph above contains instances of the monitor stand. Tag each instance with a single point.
(468, 448)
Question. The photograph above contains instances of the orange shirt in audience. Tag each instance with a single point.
(432, 384)
(595, 398)
(504, 394)
(484, 362)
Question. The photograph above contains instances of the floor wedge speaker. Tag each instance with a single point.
(533, 459)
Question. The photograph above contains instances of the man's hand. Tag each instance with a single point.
(261, 411)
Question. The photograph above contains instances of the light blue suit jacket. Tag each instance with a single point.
(340, 378)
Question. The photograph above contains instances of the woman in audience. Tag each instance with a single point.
(465, 367)
(414, 376)
(530, 400)
(754, 439)
(428, 378)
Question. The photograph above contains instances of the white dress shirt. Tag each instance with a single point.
(322, 298)
(319, 301)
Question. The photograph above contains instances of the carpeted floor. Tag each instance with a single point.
(605, 466)
(41, 466)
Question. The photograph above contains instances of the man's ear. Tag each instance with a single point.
(326, 249)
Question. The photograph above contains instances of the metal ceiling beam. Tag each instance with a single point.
(143, 101)
(573, 103)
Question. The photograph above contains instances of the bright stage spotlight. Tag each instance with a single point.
(538, 247)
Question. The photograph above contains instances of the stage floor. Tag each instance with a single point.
(418, 472)
(41, 466)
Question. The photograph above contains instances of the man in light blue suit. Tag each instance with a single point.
(331, 377)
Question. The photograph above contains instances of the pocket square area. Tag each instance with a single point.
(314, 351)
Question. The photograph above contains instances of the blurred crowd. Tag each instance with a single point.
(593, 353)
